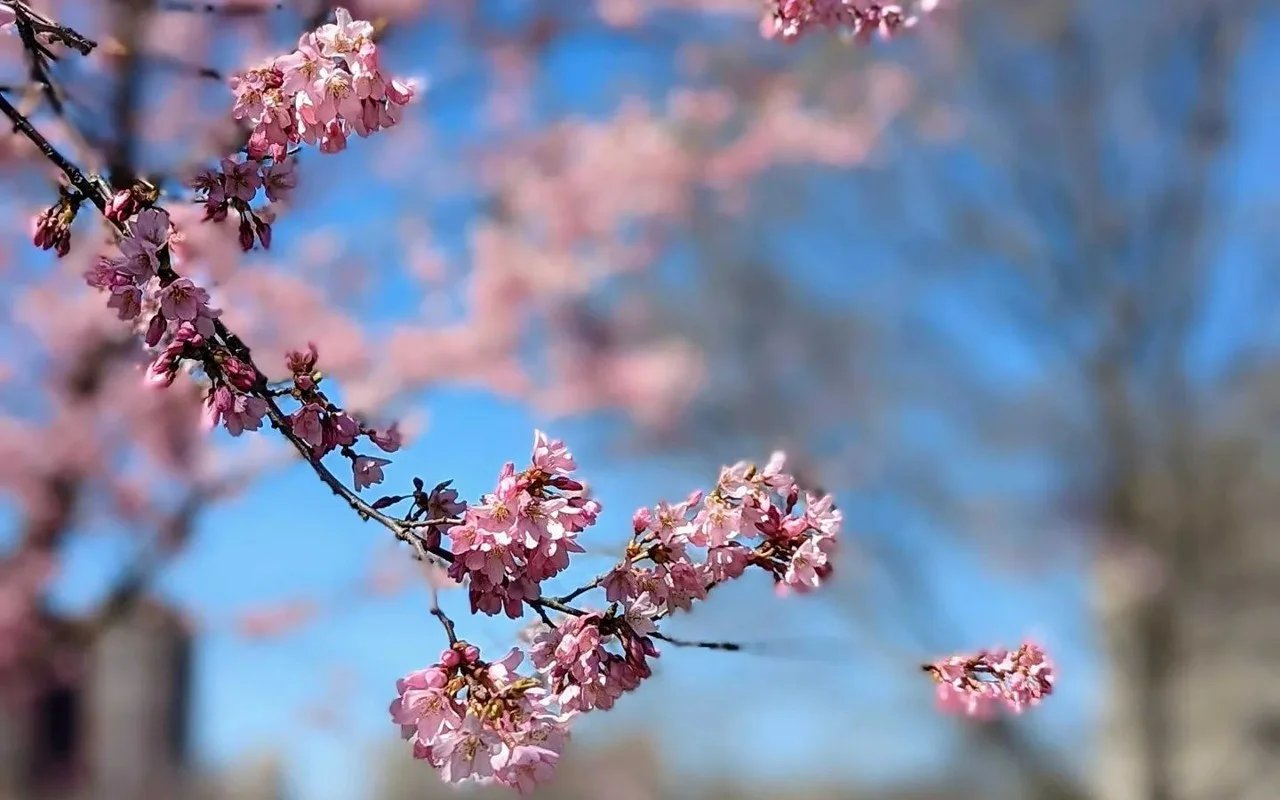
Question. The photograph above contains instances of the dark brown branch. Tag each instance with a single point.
(77, 178)
(50, 29)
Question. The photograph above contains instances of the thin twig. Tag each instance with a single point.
(439, 614)
(732, 647)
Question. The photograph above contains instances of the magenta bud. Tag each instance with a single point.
(156, 329)
(264, 233)
(246, 235)
(450, 659)
(471, 653)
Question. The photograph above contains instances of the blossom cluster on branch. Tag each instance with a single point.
(980, 683)
(523, 532)
(856, 18)
(331, 86)
(474, 720)
(479, 720)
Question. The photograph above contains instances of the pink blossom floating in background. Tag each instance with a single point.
(976, 685)
(854, 18)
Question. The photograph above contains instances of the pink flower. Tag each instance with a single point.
(338, 98)
(126, 299)
(525, 766)
(330, 86)
(442, 502)
(183, 300)
(308, 424)
(340, 430)
(669, 522)
(389, 440)
(583, 672)
(238, 373)
(716, 525)
(302, 363)
(367, 470)
(345, 38)
(726, 563)
(523, 532)
(280, 179)
(241, 180)
(186, 342)
(976, 684)
(466, 751)
(480, 721)
(122, 205)
(622, 582)
(301, 69)
(551, 456)
(139, 257)
(152, 227)
(52, 229)
(639, 615)
(793, 18)
(809, 565)
(237, 412)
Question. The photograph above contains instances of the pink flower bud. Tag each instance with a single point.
(246, 235)
(264, 232)
(239, 374)
(122, 205)
(565, 484)
(156, 329)
(299, 362)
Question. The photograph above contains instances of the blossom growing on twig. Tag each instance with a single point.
(855, 18)
(480, 721)
(523, 532)
(978, 684)
(330, 87)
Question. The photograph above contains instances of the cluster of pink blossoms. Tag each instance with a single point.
(321, 93)
(132, 277)
(480, 721)
(233, 187)
(792, 18)
(753, 517)
(324, 427)
(978, 684)
(583, 673)
(523, 532)
(173, 313)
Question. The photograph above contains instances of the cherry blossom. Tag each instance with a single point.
(978, 684)
(479, 721)
(856, 18)
(367, 470)
(523, 532)
(330, 87)
(583, 673)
